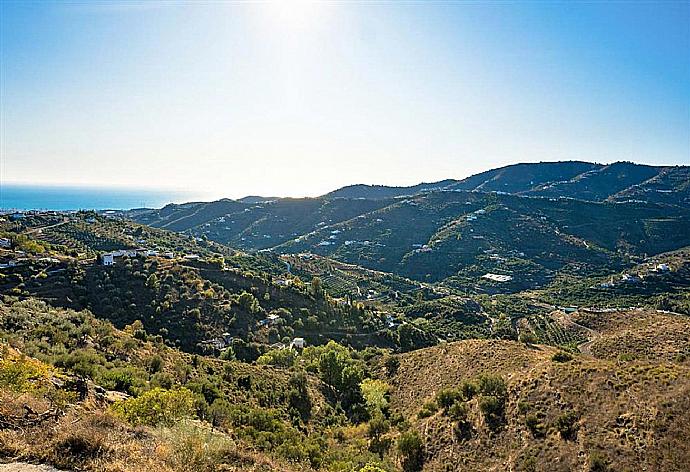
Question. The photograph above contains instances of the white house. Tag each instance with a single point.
(297, 343)
(663, 268)
(107, 259)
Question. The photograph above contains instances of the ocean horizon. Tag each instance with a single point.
(65, 198)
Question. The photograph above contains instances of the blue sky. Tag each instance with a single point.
(298, 98)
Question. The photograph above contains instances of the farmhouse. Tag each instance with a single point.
(497, 277)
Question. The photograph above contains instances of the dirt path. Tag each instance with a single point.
(39, 229)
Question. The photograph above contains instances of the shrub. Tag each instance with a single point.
(562, 356)
(492, 408)
(528, 337)
(219, 412)
(195, 448)
(534, 425)
(411, 449)
(392, 364)
(228, 354)
(80, 445)
(375, 395)
(157, 406)
(458, 412)
(428, 409)
(446, 397)
(278, 357)
(378, 426)
(155, 364)
(20, 375)
(371, 468)
(566, 424)
(597, 463)
(492, 385)
(468, 390)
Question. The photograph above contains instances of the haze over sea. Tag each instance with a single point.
(40, 197)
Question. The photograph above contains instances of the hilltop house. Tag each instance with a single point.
(270, 320)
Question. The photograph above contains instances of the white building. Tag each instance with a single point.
(297, 343)
(107, 259)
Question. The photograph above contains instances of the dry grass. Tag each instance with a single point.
(639, 334)
(631, 416)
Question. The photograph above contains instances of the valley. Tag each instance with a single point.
(531, 318)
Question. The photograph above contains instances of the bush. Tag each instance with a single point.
(566, 424)
(458, 412)
(597, 463)
(195, 448)
(157, 406)
(428, 409)
(219, 412)
(392, 364)
(468, 390)
(528, 337)
(375, 393)
(534, 425)
(562, 356)
(492, 408)
(411, 449)
(278, 357)
(155, 364)
(492, 385)
(446, 397)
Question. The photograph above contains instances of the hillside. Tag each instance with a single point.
(556, 413)
(465, 235)
(527, 222)
(425, 375)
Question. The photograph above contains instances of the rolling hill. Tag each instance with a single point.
(526, 221)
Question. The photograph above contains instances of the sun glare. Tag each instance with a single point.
(294, 15)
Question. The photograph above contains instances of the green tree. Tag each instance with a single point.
(375, 393)
(157, 406)
(411, 449)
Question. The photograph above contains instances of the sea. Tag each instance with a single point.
(62, 198)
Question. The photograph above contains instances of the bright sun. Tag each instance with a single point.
(291, 15)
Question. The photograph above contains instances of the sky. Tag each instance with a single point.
(298, 98)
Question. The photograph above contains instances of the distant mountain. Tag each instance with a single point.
(382, 191)
(256, 199)
(572, 179)
(527, 221)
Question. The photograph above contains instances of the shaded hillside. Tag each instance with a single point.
(671, 186)
(261, 225)
(599, 184)
(520, 178)
(447, 234)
